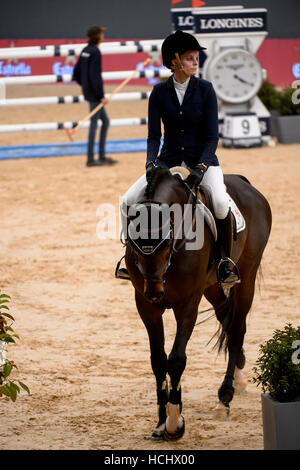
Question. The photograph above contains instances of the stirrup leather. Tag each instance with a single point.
(236, 269)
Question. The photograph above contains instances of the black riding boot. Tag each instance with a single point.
(224, 227)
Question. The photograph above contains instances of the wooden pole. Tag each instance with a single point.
(100, 105)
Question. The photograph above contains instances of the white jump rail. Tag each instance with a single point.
(146, 42)
(122, 75)
(69, 99)
(54, 126)
(117, 47)
(57, 51)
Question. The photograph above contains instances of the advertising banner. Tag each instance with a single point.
(64, 65)
(280, 57)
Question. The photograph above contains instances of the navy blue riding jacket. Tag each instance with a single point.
(191, 130)
(87, 73)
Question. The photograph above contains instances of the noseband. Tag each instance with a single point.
(152, 277)
(147, 250)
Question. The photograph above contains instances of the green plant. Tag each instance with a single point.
(278, 100)
(8, 387)
(269, 95)
(277, 370)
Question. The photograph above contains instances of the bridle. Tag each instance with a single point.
(148, 250)
(170, 240)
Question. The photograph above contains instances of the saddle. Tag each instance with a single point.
(204, 198)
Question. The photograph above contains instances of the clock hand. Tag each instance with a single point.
(242, 80)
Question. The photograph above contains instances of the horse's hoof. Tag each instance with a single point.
(157, 437)
(222, 412)
(177, 435)
(158, 433)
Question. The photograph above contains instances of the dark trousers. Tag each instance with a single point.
(101, 114)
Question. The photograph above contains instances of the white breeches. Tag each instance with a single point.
(213, 180)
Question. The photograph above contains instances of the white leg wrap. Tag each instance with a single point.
(174, 420)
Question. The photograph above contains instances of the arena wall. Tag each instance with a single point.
(126, 19)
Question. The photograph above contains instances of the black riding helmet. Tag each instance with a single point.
(178, 42)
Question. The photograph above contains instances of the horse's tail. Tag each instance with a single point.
(259, 277)
(225, 310)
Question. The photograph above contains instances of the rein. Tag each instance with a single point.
(192, 199)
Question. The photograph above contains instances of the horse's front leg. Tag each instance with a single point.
(186, 316)
(152, 319)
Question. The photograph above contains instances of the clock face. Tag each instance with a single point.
(236, 75)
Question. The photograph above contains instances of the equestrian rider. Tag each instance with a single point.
(88, 74)
(187, 106)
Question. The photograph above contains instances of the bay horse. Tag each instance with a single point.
(174, 277)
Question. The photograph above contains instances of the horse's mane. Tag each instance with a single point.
(155, 177)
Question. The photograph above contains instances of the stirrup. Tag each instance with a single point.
(121, 273)
(237, 272)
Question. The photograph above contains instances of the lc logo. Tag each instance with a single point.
(185, 20)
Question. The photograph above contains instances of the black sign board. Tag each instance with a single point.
(231, 22)
(219, 21)
(183, 19)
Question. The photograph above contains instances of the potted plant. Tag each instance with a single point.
(278, 372)
(8, 387)
(285, 111)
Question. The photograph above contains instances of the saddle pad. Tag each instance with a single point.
(210, 220)
(239, 218)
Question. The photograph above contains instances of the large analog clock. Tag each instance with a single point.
(235, 73)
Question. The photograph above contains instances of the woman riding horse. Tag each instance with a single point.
(187, 106)
(164, 272)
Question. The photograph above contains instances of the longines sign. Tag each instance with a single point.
(206, 22)
(230, 22)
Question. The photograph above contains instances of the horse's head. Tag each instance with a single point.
(151, 236)
(152, 232)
